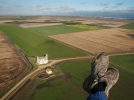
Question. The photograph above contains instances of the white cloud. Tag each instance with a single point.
(130, 9)
(84, 3)
(117, 5)
(66, 9)
(104, 4)
(58, 9)
(39, 6)
(17, 5)
(46, 9)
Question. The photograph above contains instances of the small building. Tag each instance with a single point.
(42, 60)
(48, 71)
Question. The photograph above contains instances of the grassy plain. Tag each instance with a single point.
(34, 44)
(75, 73)
(128, 26)
(58, 88)
(65, 28)
(79, 70)
(124, 60)
(55, 89)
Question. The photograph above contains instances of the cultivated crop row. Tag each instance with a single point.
(108, 40)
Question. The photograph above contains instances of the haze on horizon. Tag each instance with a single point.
(104, 8)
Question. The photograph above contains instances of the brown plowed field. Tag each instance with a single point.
(113, 40)
(12, 65)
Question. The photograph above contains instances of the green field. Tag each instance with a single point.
(59, 89)
(36, 45)
(65, 28)
(56, 89)
(76, 72)
(128, 26)
(124, 60)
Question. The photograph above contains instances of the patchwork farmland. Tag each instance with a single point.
(35, 40)
(113, 40)
(65, 28)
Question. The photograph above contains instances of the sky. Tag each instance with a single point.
(68, 7)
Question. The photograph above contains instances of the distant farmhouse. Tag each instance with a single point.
(42, 60)
(48, 71)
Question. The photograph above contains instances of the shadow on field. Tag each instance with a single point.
(131, 35)
(71, 23)
(24, 22)
(48, 83)
(68, 75)
(121, 36)
(46, 21)
(49, 42)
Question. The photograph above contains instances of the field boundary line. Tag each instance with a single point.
(48, 36)
(28, 42)
(123, 67)
(97, 42)
(77, 47)
(74, 86)
(118, 54)
(71, 46)
(24, 58)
